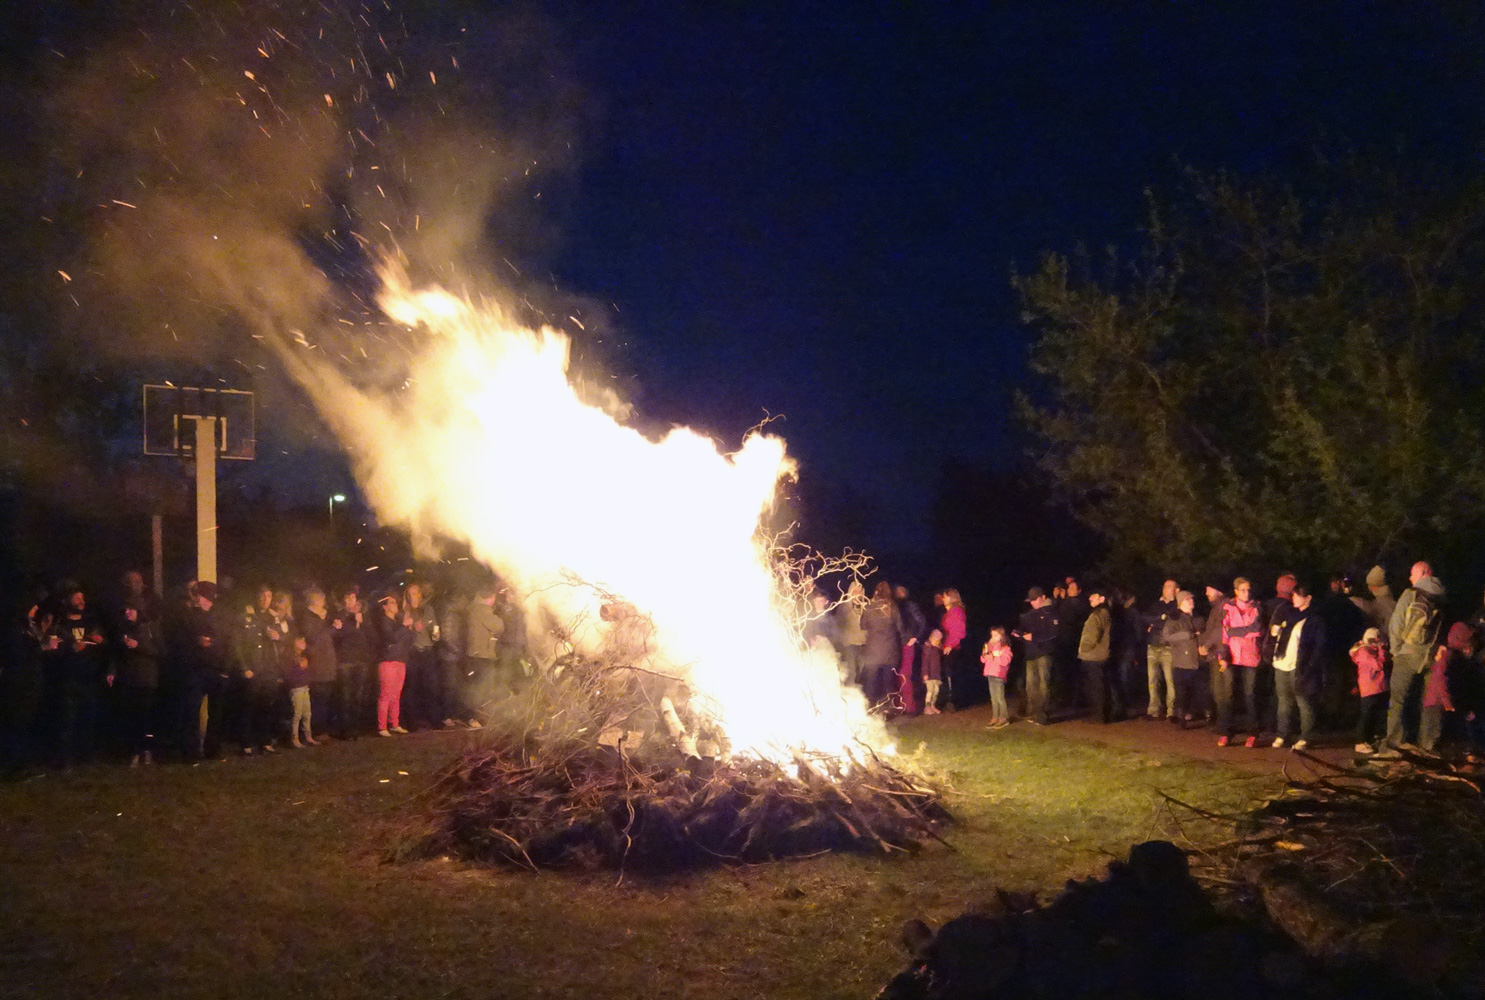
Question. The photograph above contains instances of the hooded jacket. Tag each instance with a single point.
(1093, 642)
(1429, 585)
(1241, 630)
(1179, 633)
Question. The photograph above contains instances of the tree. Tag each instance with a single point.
(1277, 376)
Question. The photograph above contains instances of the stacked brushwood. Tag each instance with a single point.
(1380, 863)
(1147, 930)
(578, 773)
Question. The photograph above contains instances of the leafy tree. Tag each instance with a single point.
(1277, 376)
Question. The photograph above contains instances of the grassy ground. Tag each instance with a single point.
(264, 878)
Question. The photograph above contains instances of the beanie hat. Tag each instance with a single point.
(1035, 594)
(1376, 577)
(1285, 585)
(1372, 635)
(207, 589)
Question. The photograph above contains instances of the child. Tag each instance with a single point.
(1459, 646)
(1370, 657)
(297, 679)
(996, 657)
(933, 659)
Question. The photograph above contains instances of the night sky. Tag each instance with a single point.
(814, 209)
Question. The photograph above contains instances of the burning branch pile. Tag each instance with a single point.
(585, 773)
(1384, 863)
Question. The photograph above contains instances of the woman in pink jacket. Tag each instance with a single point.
(954, 625)
(1241, 631)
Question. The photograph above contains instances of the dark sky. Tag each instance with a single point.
(814, 209)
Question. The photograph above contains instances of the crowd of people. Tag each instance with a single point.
(212, 671)
(1260, 672)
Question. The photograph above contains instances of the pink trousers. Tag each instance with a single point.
(389, 674)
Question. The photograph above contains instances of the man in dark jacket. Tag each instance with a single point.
(78, 676)
(137, 646)
(319, 654)
(1299, 668)
(1158, 657)
(1210, 649)
(1093, 656)
(1072, 612)
(205, 674)
(29, 645)
(355, 649)
(1039, 631)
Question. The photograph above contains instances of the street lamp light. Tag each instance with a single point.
(337, 498)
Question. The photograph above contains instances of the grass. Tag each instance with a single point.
(266, 878)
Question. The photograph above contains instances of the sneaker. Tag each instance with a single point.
(399, 730)
(1277, 744)
(269, 748)
(1250, 742)
(1365, 748)
(449, 723)
(1301, 745)
(247, 751)
(1151, 717)
(1222, 741)
(1176, 719)
(312, 741)
(1408, 747)
(1037, 722)
(383, 732)
(475, 724)
(296, 744)
(1387, 753)
(930, 710)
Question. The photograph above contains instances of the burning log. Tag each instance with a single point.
(543, 790)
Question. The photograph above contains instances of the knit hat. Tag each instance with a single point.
(1035, 594)
(1372, 635)
(1461, 637)
(1376, 577)
(207, 589)
(1285, 585)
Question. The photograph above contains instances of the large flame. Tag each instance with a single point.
(489, 443)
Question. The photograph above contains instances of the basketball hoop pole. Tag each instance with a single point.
(206, 498)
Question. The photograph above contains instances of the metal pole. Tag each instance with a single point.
(206, 499)
(157, 547)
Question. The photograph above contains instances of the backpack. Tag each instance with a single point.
(1420, 622)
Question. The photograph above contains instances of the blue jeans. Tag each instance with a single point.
(997, 697)
(1158, 666)
(1287, 695)
(1038, 686)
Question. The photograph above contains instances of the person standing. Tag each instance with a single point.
(355, 646)
(422, 693)
(933, 670)
(1299, 669)
(319, 654)
(914, 631)
(996, 657)
(1370, 657)
(1180, 634)
(395, 642)
(1093, 656)
(29, 644)
(1158, 666)
(1212, 654)
(137, 641)
(1072, 611)
(483, 629)
(79, 676)
(1039, 631)
(1413, 631)
(204, 686)
(881, 623)
(955, 627)
(1241, 632)
(452, 633)
(852, 636)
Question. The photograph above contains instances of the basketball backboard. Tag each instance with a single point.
(171, 411)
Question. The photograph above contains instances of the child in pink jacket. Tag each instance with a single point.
(1370, 657)
(996, 656)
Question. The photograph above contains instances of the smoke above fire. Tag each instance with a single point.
(488, 442)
